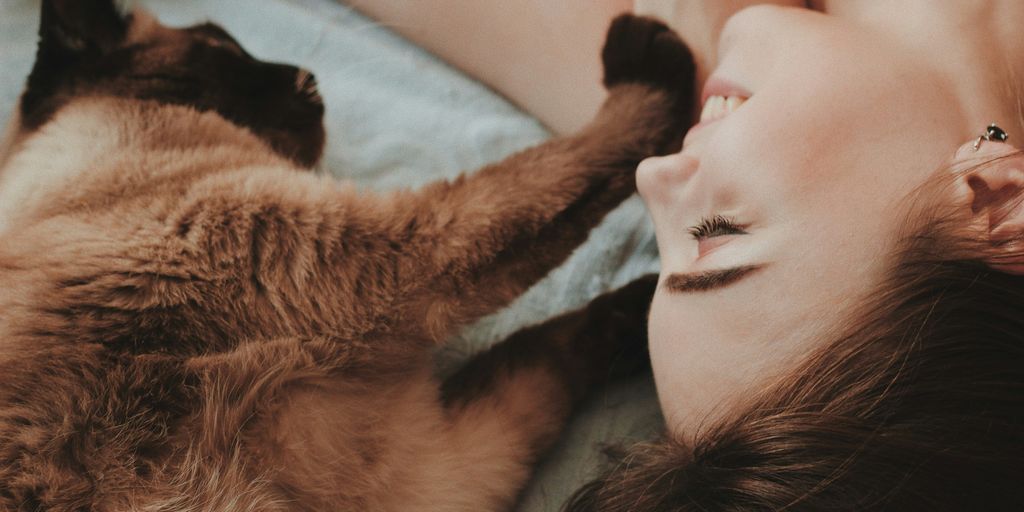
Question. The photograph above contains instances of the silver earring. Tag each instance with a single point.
(992, 133)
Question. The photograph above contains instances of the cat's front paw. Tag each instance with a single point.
(644, 50)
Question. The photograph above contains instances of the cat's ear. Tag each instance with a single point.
(80, 26)
(993, 197)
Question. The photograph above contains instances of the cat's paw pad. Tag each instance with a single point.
(644, 50)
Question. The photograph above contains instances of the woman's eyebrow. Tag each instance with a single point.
(707, 280)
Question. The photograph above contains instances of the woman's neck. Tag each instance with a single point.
(980, 46)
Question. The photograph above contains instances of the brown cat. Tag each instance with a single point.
(190, 321)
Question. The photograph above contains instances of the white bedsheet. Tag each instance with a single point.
(398, 117)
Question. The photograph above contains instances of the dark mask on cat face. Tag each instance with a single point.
(89, 48)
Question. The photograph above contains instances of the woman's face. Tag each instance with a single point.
(801, 186)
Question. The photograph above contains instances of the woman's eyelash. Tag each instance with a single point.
(715, 225)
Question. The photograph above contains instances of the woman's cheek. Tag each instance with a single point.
(664, 354)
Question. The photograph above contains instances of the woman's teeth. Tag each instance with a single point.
(717, 107)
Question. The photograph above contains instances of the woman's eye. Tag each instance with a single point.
(717, 225)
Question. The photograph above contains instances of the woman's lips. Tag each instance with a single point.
(718, 86)
(722, 90)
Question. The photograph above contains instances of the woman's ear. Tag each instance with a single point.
(993, 197)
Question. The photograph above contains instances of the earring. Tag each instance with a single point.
(992, 133)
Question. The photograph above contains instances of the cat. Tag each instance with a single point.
(190, 320)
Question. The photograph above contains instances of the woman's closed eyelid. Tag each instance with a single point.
(716, 225)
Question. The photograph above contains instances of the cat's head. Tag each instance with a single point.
(93, 48)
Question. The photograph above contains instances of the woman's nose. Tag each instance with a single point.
(660, 177)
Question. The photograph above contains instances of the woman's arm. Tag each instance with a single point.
(543, 55)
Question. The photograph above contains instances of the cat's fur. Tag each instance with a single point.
(191, 321)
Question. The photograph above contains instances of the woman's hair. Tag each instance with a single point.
(918, 405)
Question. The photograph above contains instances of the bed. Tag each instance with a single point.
(398, 117)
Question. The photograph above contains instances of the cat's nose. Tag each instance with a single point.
(306, 85)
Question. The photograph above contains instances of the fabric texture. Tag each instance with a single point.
(399, 117)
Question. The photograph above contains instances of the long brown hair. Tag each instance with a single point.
(917, 405)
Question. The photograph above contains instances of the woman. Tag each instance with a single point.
(840, 319)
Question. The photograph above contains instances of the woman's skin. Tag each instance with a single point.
(848, 113)
(851, 107)
(544, 55)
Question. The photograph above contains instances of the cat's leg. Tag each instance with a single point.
(485, 238)
(243, 255)
(361, 424)
(509, 404)
(359, 421)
